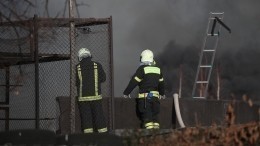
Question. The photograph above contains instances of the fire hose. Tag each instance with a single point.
(177, 110)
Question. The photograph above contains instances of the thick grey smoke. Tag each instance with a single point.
(240, 72)
(174, 30)
(178, 61)
(237, 55)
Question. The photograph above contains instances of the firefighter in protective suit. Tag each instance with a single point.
(150, 80)
(89, 76)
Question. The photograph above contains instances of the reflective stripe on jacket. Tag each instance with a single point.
(148, 78)
(90, 75)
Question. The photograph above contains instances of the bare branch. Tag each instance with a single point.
(78, 5)
(65, 7)
(26, 10)
(81, 4)
(30, 3)
(77, 8)
(12, 12)
(46, 8)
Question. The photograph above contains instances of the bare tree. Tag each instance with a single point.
(12, 11)
(23, 9)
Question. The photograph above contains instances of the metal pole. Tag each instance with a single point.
(7, 83)
(112, 123)
(36, 68)
(7, 92)
(72, 68)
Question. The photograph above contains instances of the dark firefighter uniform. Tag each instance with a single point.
(149, 78)
(90, 75)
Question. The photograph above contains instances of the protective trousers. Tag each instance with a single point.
(148, 110)
(92, 117)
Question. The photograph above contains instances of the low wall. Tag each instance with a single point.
(203, 112)
(126, 117)
(195, 112)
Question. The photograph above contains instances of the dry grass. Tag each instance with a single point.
(228, 135)
(234, 135)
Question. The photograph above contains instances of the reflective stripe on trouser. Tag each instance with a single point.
(148, 125)
(89, 130)
(152, 125)
(148, 110)
(156, 125)
(92, 117)
(102, 130)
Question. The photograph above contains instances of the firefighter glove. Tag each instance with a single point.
(127, 96)
(162, 97)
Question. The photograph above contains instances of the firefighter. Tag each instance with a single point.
(89, 76)
(149, 78)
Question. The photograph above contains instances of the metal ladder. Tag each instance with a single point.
(207, 55)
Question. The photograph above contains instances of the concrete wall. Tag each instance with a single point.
(126, 117)
(195, 112)
(205, 112)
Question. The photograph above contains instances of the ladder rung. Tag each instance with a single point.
(208, 50)
(200, 97)
(217, 13)
(205, 66)
(214, 34)
(202, 82)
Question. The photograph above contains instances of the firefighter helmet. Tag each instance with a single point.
(147, 56)
(83, 53)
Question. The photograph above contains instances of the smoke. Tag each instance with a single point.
(183, 25)
(174, 30)
(177, 60)
(240, 72)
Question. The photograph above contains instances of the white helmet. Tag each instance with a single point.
(83, 53)
(147, 56)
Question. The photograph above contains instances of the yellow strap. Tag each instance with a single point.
(90, 98)
(96, 78)
(143, 95)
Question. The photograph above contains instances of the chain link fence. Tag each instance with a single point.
(36, 74)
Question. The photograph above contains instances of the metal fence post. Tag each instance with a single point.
(72, 68)
(36, 68)
(110, 31)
